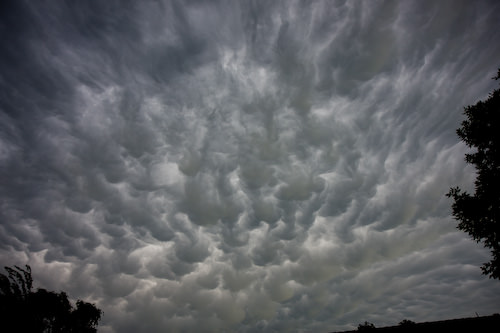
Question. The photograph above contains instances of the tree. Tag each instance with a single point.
(25, 310)
(407, 323)
(366, 326)
(478, 213)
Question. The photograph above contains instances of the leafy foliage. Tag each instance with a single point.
(366, 326)
(407, 323)
(478, 214)
(25, 310)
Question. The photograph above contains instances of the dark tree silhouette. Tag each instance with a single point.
(366, 326)
(25, 310)
(407, 323)
(478, 214)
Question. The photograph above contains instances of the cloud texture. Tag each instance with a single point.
(244, 166)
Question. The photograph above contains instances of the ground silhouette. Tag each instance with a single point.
(476, 324)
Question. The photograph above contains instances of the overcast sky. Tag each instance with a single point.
(249, 166)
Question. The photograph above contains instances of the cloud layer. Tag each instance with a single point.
(244, 166)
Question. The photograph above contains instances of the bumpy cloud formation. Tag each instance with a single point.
(244, 166)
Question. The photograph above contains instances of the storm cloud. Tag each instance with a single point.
(244, 166)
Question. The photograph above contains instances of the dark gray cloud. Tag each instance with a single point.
(244, 166)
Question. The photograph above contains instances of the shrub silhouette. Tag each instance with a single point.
(366, 326)
(407, 323)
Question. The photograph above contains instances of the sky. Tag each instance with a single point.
(244, 166)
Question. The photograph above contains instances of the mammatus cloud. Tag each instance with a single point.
(239, 166)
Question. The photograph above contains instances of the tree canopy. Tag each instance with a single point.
(24, 310)
(366, 326)
(478, 213)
